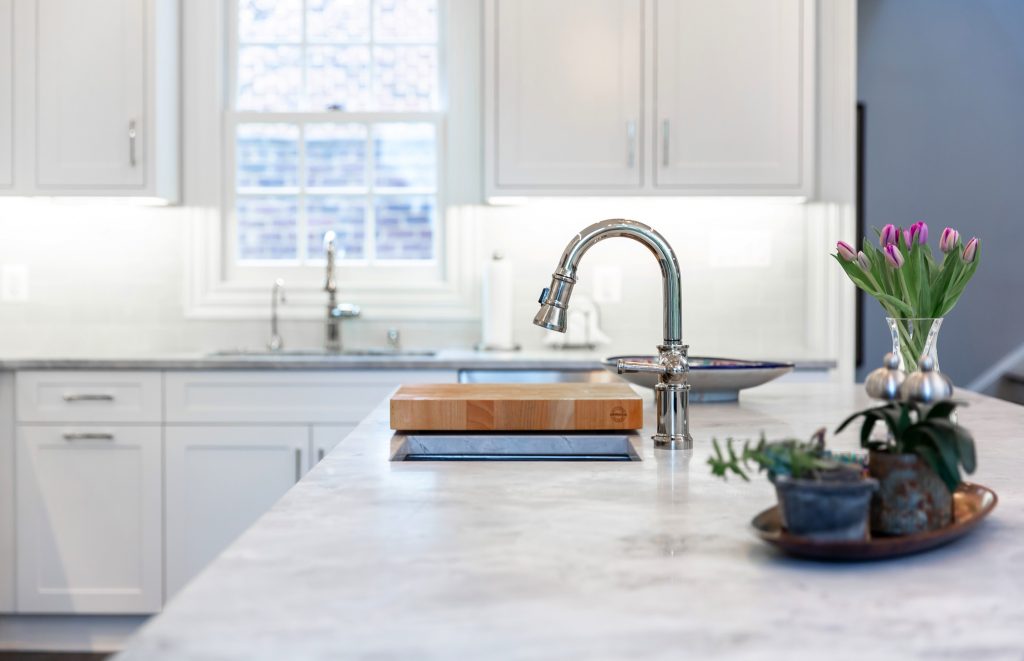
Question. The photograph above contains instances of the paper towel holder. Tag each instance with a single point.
(497, 256)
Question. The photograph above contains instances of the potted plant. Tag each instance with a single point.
(820, 497)
(917, 466)
(915, 288)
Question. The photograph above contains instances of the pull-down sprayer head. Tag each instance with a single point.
(554, 300)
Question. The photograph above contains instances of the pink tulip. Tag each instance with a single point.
(865, 263)
(919, 232)
(971, 250)
(947, 242)
(846, 251)
(908, 241)
(889, 235)
(893, 256)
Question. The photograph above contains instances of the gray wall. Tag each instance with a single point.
(943, 84)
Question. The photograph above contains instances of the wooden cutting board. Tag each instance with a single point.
(516, 407)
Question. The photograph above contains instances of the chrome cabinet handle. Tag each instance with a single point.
(664, 142)
(131, 142)
(88, 436)
(298, 464)
(631, 144)
(320, 454)
(88, 397)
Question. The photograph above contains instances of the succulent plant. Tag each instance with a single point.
(927, 431)
(807, 460)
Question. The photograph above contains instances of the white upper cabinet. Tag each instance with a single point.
(565, 90)
(6, 94)
(96, 98)
(670, 97)
(90, 73)
(732, 95)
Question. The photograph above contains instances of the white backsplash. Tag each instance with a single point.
(107, 279)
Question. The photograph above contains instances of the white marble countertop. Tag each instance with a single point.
(365, 558)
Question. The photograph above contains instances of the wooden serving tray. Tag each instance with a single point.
(971, 504)
(516, 407)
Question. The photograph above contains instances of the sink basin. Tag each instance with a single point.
(537, 446)
(321, 353)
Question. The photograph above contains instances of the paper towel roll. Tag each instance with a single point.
(498, 296)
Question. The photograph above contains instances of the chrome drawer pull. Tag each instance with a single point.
(88, 436)
(298, 464)
(131, 143)
(88, 397)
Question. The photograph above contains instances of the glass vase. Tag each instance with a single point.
(913, 339)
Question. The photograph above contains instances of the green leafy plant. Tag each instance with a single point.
(927, 431)
(806, 460)
(909, 282)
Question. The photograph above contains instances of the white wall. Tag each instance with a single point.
(108, 279)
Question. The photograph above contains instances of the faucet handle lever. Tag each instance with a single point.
(625, 366)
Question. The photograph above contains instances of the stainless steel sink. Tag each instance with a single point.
(321, 353)
(516, 446)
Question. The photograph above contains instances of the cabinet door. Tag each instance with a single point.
(733, 95)
(219, 481)
(326, 438)
(6, 93)
(565, 94)
(88, 519)
(90, 64)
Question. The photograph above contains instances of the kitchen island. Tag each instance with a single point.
(368, 558)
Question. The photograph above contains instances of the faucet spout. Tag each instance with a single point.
(673, 367)
(554, 300)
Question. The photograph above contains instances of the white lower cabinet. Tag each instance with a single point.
(127, 484)
(220, 479)
(326, 438)
(88, 519)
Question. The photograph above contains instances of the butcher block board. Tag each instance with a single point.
(516, 407)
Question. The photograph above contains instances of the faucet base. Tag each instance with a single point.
(673, 441)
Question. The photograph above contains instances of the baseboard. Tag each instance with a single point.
(67, 633)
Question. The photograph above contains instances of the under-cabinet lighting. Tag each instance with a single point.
(507, 201)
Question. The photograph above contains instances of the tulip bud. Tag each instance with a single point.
(971, 250)
(889, 235)
(947, 242)
(865, 263)
(846, 251)
(919, 232)
(893, 256)
(908, 240)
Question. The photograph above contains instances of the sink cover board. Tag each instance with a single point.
(516, 407)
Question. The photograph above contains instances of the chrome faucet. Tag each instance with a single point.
(335, 311)
(276, 343)
(672, 391)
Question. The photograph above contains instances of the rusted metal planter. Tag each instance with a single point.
(830, 510)
(911, 497)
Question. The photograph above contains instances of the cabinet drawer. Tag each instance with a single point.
(50, 396)
(89, 515)
(303, 397)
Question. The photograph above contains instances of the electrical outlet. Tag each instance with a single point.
(14, 283)
(607, 284)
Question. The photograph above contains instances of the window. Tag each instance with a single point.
(335, 126)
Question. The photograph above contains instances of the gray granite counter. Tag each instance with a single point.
(366, 558)
(443, 359)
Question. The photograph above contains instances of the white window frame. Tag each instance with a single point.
(219, 288)
(303, 269)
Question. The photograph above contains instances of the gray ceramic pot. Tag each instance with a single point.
(828, 511)
(911, 497)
